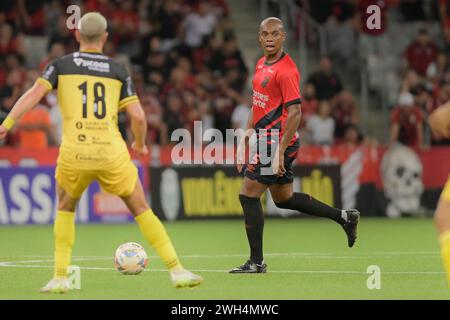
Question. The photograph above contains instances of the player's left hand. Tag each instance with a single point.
(140, 149)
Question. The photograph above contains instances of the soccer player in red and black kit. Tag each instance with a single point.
(276, 108)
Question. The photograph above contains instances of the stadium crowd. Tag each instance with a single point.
(408, 57)
(187, 66)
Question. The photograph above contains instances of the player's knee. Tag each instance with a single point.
(66, 204)
(282, 201)
(282, 204)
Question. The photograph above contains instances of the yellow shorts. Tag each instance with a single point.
(119, 181)
(446, 192)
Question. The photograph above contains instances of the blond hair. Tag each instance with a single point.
(92, 26)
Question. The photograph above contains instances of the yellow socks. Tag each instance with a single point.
(156, 235)
(64, 230)
(444, 239)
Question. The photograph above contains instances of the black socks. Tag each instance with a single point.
(254, 225)
(306, 204)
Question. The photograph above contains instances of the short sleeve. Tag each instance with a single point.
(290, 87)
(128, 91)
(49, 77)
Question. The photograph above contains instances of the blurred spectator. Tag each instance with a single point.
(438, 69)
(410, 80)
(63, 35)
(421, 53)
(412, 10)
(153, 112)
(223, 103)
(10, 92)
(7, 11)
(407, 122)
(444, 13)
(170, 20)
(57, 50)
(341, 36)
(422, 97)
(345, 113)
(309, 104)
(32, 16)
(10, 43)
(174, 117)
(227, 59)
(124, 24)
(239, 116)
(352, 136)
(321, 125)
(199, 25)
(34, 128)
(325, 81)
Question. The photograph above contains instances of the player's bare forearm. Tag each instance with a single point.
(138, 123)
(27, 101)
(291, 126)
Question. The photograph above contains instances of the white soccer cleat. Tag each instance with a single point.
(56, 286)
(184, 278)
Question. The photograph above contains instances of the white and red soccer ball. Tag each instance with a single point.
(130, 258)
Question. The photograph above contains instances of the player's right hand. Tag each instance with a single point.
(3, 132)
(140, 149)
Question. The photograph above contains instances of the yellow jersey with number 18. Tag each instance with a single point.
(92, 89)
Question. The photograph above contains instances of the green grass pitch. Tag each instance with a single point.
(307, 259)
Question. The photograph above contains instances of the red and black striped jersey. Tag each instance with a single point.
(276, 86)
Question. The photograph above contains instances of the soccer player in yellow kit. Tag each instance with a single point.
(92, 89)
(439, 121)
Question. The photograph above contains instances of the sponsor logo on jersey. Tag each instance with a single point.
(92, 65)
(259, 99)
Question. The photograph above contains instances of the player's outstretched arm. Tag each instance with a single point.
(439, 121)
(138, 127)
(25, 103)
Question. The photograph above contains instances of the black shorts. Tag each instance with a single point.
(253, 171)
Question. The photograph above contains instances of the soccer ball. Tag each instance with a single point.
(130, 258)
